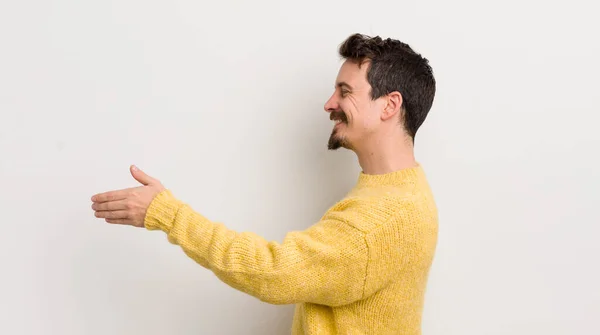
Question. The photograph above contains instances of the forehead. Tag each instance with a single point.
(351, 73)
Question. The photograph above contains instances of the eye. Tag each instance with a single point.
(345, 92)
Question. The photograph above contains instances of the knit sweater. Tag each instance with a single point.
(361, 269)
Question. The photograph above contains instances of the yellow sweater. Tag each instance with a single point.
(362, 269)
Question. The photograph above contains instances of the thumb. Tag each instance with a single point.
(140, 176)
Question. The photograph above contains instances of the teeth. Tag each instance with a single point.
(338, 121)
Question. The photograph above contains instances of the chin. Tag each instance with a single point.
(336, 142)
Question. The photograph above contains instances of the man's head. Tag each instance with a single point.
(383, 87)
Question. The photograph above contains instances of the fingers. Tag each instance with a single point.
(110, 205)
(113, 214)
(113, 195)
(141, 176)
(119, 221)
(127, 206)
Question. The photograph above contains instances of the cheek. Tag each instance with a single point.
(369, 120)
(362, 117)
(353, 110)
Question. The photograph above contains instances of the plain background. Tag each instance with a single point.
(223, 102)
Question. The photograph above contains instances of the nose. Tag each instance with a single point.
(331, 104)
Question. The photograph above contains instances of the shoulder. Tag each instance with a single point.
(368, 208)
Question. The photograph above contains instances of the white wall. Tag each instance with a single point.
(87, 88)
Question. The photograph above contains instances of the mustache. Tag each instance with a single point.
(338, 115)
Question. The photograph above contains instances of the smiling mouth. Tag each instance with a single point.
(338, 118)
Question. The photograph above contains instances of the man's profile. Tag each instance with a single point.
(362, 268)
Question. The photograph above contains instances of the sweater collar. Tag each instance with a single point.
(403, 176)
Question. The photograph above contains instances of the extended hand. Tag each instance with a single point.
(128, 206)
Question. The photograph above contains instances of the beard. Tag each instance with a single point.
(336, 140)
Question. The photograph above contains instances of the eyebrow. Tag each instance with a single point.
(344, 84)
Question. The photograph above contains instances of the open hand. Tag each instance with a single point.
(128, 206)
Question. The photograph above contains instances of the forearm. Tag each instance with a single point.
(306, 266)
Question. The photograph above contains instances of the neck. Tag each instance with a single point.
(387, 156)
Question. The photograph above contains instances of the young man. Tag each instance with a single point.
(363, 268)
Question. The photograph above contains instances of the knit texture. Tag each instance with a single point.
(362, 269)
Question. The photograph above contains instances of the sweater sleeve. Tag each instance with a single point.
(325, 264)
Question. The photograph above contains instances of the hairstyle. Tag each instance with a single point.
(394, 66)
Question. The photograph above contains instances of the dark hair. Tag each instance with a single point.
(394, 66)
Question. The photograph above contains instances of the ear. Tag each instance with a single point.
(393, 105)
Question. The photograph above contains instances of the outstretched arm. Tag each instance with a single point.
(325, 264)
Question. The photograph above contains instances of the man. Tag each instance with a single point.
(363, 268)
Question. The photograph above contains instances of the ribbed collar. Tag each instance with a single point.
(408, 175)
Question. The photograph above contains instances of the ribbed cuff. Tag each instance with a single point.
(162, 212)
